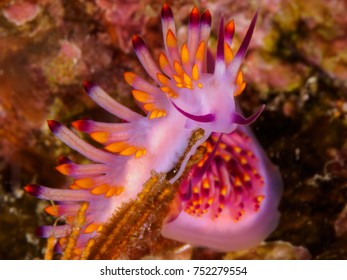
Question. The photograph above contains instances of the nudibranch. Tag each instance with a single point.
(228, 201)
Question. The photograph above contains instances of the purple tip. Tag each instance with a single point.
(245, 43)
(58, 248)
(204, 118)
(64, 160)
(220, 45)
(54, 125)
(137, 42)
(166, 12)
(89, 86)
(238, 119)
(82, 125)
(40, 232)
(206, 18)
(33, 189)
(194, 17)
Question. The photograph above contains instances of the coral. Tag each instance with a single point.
(124, 19)
(21, 12)
(271, 251)
(67, 67)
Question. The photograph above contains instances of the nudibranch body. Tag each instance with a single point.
(228, 201)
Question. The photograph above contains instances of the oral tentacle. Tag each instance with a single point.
(239, 119)
(203, 118)
(234, 67)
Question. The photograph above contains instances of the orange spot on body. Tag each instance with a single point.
(243, 160)
(140, 152)
(260, 198)
(228, 53)
(111, 192)
(237, 182)
(64, 168)
(75, 187)
(52, 210)
(163, 79)
(237, 149)
(184, 54)
(91, 227)
(100, 136)
(246, 177)
(130, 77)
(200, 52)
(177, 79)
(171, 41)
(85, 183)
(178, 68)
(187, 80)
(195, 72)
(149, 107)
(128, 151)
(157, 113)
(100, 189)
(163, 61)
(141, 96)
(240, 89)
(116, 147)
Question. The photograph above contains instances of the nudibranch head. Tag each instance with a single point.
(201, 90)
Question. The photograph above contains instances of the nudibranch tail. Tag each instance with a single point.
(229, 199)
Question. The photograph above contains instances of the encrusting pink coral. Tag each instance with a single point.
(21, 13)
(228, 201)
